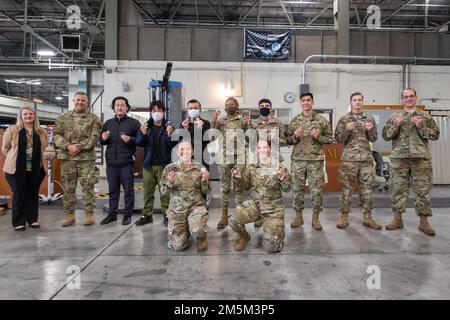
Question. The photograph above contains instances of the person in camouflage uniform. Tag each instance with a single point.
(308, 132)
(267, 180)
(410, 129)
(232, 128)
(356, 130)
(187, 183)
(271, 128)
(76, 134)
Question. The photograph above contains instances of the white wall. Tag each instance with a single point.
(331, 84)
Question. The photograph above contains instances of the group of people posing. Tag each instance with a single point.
(184, 185)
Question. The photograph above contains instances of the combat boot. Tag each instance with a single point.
(396, 223)
(369, 222)
(224, 220)
(69, 220)
(425, 227)
(242, 242)
(202, 243)
(343, 221)
(258, 223)
(89, 219)
(298, 220)
(315, 221)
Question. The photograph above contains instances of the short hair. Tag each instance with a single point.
(81, 93)
(414, 90)
(194, 101)
(157, 104)
(356, 94)
(306, 94)
(265, 100)
(234, 100)
(120, 98)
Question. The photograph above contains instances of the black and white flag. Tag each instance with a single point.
(265, 45)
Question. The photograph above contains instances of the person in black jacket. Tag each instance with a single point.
(196, 126)
(155, 137)
(119, 134)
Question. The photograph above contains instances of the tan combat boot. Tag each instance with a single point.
(69, 220)
(298, 220)
(202, 243)
(2, 211)
(89, 219)
(425, 227)
(224, 220)
(242, 242)
(343, 221)
(396, 223)
(258, 223)
(315, 221)
(369, 222)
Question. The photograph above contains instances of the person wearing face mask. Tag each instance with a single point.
(272, 128)
(232, 127)
(155, 138)
(196, 126)
(187, 183)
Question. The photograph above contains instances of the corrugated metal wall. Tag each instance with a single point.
(440, 151)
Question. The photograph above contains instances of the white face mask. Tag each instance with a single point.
(156, 116)
(193, 113)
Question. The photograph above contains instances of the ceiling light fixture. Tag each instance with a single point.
(46, 53)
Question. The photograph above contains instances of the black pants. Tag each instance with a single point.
(25, 202)
(123, 175)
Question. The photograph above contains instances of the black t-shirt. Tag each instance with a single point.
(156, 130)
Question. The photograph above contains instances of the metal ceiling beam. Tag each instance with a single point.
(93, 33)
(215, 12)
(148, 15)
(157, 6)
(396, 11)
(319, 14)
(288, 15)
(27, 28)
(248, 12)
(25, 22)
(90, 27)
(174, 11)
(259, 13)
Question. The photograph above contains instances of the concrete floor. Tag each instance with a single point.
(129, 262)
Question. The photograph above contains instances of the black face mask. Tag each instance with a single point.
(264, 112)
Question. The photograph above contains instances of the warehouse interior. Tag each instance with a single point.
(51, 49)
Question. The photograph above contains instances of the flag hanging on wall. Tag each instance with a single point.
(266, 45)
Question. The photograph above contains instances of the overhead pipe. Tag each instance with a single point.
(373, 58)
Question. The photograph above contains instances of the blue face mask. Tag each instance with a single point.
(156, 116)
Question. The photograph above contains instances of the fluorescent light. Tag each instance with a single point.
(35, 83)
(58, 98)
(46, 53)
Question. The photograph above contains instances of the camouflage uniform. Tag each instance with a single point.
(266, 203)
(356, 161)
(233, 156)
(308, 159)
(411, 160)
(272, 126)
(187, 209)
(74, 128)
